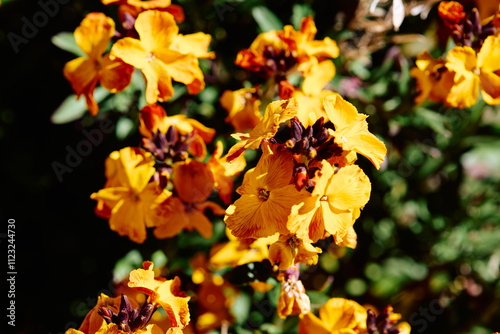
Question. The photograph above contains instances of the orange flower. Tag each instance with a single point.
(225, 172)
(267, 196)
(336, 316)
(276, 113)
(162, 55)
(351, 130)
(93, 36)
(131, 196)
(290, 250)
(193, 183)
(237, 252)
(162, 292)
(329, 209)
(434, 80)
(451, 12)
(472, 71)
(243, 108)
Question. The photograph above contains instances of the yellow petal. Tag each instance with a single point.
(317, 77)
(196, 44)
(156, 30)
(94, 34)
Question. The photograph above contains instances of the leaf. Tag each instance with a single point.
(431, 119)
(66, 41)
(266, 19)
(124, 127)
(72, 109)
(298, 12)
(126, 264)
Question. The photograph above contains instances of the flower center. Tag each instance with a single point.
(264, 194)
(324, 198)
(128, 319)
(150, 57)
(476, 71)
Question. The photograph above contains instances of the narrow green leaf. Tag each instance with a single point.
(72, 109)
(66, 41)
(266, 19)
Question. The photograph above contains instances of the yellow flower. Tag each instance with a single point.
(133, 8)
(132, 196)
(193, 183)
(162, 55)
(290, 250)
(162, 292)
(243, 108)
(267, 196)
(351, 130)
(276, 113)
(336, 316)
(472, 71)
(434, 80)
(93, 36)
(310, 106)
(329, 209)
(225, 172)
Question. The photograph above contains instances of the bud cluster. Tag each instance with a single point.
(128, 319)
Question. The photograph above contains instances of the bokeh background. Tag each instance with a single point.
(428, 240)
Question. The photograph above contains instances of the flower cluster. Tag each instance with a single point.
(470, 67)
(165, 184)
(123, 315)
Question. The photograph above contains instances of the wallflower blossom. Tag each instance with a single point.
(243, 108)
(351, 130)
(276, 113)
(451, 12)
(290, 250)
(336, 316)
(472, 71)
(162, 54)
(434, 80)
(267, 196)
(328, 211)
(193, 183)
(93, 36)
(131, 196)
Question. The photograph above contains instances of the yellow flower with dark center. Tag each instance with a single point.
(290, 250)
(162, 54)
(131, 197)
(329, 209)
(351, 130)
(472, 71)
(336, 316)
(267, 196)
(276, 113)
(93, 36)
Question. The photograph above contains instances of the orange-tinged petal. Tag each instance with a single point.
(276, 113)
(193, 181)
(465, 92)
(156, 30)
(490, 87)
(138, 167)
(184, 68)
(196, 44)
(174, 303)
(461, 60)
(340, 313)
(317, 77)
(127, 219)
(311, 324)
(327, 48)
(131, 51)
(243, 108)
(175, 218)
(115, 75)
(94, 34)
(80, 72)
(244, 218)
(198, 147)
(349, 188)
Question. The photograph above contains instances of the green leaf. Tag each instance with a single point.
(266, 19)
(66, 41)
(431, 119)
(124, 127)
(241, 308)
(72, 109)
(126, 264)
(298, 12)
